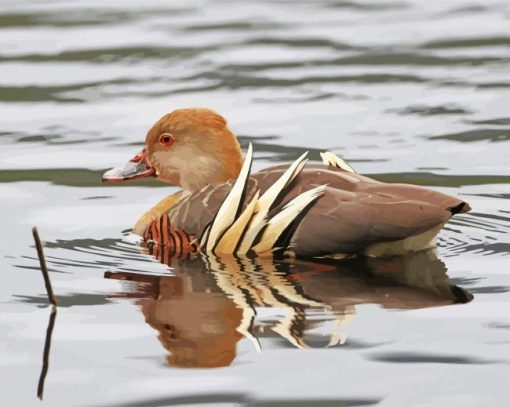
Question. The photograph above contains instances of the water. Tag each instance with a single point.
(406, 91)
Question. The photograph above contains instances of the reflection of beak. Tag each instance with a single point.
(137, 167)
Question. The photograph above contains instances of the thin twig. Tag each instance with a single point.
(46, 353)
(44, 269)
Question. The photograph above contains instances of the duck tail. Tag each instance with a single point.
(462, 207)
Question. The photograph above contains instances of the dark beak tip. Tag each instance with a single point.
(105, 177)
(137, 167)
(112, 175)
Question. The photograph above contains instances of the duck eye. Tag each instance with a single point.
(166, 139)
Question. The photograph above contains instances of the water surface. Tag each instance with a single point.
(406, 91)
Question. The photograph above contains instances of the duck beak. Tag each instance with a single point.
(137, 167)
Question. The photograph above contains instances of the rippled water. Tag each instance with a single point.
(406, 91)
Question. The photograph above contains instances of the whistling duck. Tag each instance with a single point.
(306, 209)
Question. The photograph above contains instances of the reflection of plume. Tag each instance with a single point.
(229, 283)
(292, 327)
(251, 282)
(277, 292)
(342, 320)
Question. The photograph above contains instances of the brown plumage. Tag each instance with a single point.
(177, 242)
(351, 214)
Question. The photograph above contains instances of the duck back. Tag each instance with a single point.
(353, 213)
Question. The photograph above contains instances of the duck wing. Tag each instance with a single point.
(355, 212)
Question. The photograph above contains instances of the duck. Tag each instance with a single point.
(303, 209)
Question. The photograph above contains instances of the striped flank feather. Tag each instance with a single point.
(259, 220)
(228, 210)
(279, 223)
(175, 241)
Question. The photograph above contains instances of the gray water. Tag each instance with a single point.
(406, 91)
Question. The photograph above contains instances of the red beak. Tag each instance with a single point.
(137, 167)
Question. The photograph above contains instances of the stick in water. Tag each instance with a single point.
(44, 269)
(46, 353)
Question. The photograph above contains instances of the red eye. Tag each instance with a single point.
(166, 139)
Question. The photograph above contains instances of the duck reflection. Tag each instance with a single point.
(208, 304)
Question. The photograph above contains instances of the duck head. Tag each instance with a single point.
(187, 147)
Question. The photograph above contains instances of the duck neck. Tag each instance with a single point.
(211, 169)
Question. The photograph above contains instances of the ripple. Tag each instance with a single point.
(481, 248)
(109, 55)
(496, 195)
(468, 43)
(412, 357)
(78, 18)
(73, 19)
(302, 42)
(77, 177)
(496, 289)
(469, 136)
(226, 81)
(246, 400)
(234, 26)
(66, 300)
(89, 198)
(498, 325)
(58, 137)
(54, 93)
(481, 233)
(487, 222)
(468, 10)
(376, 58)
(424, 110)
(366, 6)
(500, 121)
